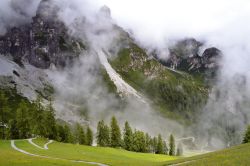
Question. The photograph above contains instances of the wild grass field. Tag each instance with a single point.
(69, 154)
(235, 156)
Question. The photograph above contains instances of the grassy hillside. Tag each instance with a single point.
(66, 152)
(238, 155)
(10, 157)
(176, 94)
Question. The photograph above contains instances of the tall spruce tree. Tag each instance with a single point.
(159, 145)
(139, 143)
(171, 145)
(4, 114)
(49, 122)
(147, 143)
(115, 133)
(68, 134)
(61, 135)
(13, 132)
(38, 117)
(246, 138)
(127, 137)
(103, 137)
(80, 135)
(89, 136)
(165, 147)
(22, 121)
(100, 135)
(154, 144)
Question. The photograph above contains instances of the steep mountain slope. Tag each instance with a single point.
(31, 52)
(122, 87)
(174, 93)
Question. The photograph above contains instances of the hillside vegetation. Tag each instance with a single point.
(176, 94)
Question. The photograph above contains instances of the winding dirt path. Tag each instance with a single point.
(13, 145)
(45, 147)
(181, 163)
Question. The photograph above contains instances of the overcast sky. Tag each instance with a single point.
(157, 20)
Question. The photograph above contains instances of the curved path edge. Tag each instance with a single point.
(45, 147)
(55, 158)
(32, 143)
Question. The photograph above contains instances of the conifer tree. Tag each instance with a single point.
(61, 136)
(128, 136)
(49, 122)
(154, 144)
(115, 133)
(139, 141)
(22, 122)
(246, 138)
(13, 132)
(147, 143)
(102, 137)
(89, 136)
(80, 135)
(106, 134)
(171, 145)
(165, 147)
(38, 117)
(4, 111)
(68, 135)
(159, 145)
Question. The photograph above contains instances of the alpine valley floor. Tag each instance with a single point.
(42, 152)
(24, 153)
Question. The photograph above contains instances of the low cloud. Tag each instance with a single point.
(14, 13)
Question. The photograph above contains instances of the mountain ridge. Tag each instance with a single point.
(46, 43)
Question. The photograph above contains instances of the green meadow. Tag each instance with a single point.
(71, 154)
(234, 156)
(66, 154)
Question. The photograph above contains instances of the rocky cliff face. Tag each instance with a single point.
(41, 43)
(45, 41)
(186, 56)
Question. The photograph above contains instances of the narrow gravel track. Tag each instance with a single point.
(45, 147)
(47, 157)
(186, 162)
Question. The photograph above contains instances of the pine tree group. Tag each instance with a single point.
(136, 140)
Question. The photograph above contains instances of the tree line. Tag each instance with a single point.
(134, 140)
(21, 119)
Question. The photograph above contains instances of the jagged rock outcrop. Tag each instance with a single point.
(43, 42)
(185, 56)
